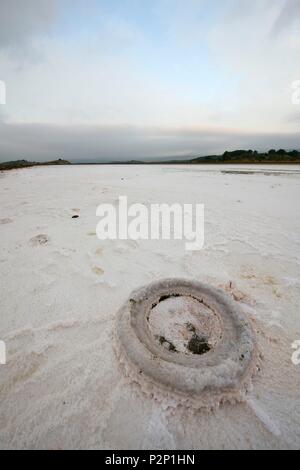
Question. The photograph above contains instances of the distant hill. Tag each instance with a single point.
(24, 164)
(237, 156)
(251, 156)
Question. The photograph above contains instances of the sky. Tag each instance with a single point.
(107, 80)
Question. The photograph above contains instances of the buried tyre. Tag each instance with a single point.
(187, 340)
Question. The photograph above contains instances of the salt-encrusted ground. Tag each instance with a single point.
(62, 386)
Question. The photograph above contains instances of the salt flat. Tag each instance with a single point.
(60, 288)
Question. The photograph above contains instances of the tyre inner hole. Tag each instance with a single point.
(182, 324)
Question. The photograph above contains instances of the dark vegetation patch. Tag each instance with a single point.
(164, 341)
(198, 344)
(25, 164)
(190, 327)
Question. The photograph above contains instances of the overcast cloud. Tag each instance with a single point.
(127, 79)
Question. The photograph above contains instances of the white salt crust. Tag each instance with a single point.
(62, 387)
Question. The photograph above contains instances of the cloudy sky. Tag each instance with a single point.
(122, 79)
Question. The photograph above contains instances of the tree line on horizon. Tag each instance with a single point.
(235, 156)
